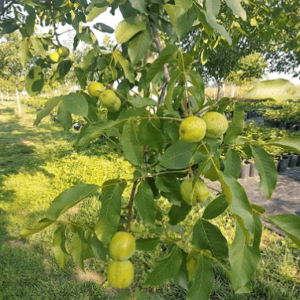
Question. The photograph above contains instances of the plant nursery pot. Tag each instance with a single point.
(298, 161)
(293, 161)
(245, 171)
(253, 171)
(276, 163)
(283, 164)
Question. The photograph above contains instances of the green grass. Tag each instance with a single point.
(36, 164)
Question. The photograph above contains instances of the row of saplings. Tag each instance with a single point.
(192, 129)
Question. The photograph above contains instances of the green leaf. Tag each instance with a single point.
(127, 28)
(94, 13)
(87, 36)
(264, 164)
(239, 204)
(182, 277)
(64, 117)
(108, 221)
(165, 269)
(34, 81)
(139, 5)
(24, 52)
(178, 155)
(98, 248)
(42, 224)
(203, 282)
(137, 48)
(291, 143)
(290, 224)
(170, 89)
(237, 8)
(178, 213)
(68, 199)
(236, 126)
(138, 101)
(76, 104)
(207, 236)
(164, 57)
(59, 245)
(62, 70)
(126, 66)
(93, 131)
(80, 249)
(232, 163)
(144, 203)
(50, 104)
(147, 244)
(38, 47)
(150, 134)
(243, 258)
(103, 28)
(215, 208)
(133, 149)
(124, 296)
(169, 185)
(213, 7)
(212, 21)
(181, 19)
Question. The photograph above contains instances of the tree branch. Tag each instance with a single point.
(166, 71)
(130, 205)
(4, 9)
(54, 25)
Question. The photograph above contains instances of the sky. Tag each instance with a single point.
(113, 21)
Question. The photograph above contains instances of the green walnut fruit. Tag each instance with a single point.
(192, 129)
(108, 98)
(116, 106)
(54, 57)
(63, 51)
(122, 246)
(216, 124)
(120, 273)
(194, 194)
(95, 88)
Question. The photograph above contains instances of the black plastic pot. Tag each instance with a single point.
(293, 161)
(276, 164)
(253, 171)
(298, 161)
(283, 164)
(245, 171)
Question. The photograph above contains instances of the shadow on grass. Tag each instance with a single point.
(26, 274)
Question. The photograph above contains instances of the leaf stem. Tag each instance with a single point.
(130, 205)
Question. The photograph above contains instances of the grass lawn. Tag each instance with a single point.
(36, 164)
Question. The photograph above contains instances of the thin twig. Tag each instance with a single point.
(130, 205)
(216, 105)
(166, 71)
